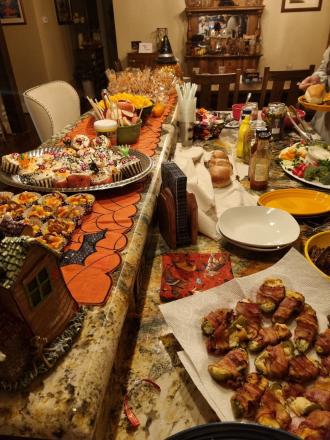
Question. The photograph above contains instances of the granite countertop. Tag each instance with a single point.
(153, 349)
(67, 402)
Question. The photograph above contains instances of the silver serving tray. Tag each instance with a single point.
(15, 179)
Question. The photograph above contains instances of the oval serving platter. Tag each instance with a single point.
(16, 181)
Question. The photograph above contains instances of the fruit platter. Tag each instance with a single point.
(81, 165)
(308, 163)
(50, 218)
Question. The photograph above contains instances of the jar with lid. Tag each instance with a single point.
(108, 128)
(274, 117)
(260, 162)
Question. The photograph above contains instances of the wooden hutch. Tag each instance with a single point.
(221, 39)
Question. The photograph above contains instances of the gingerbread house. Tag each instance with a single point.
(35, 304)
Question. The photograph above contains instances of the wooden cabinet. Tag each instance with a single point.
(223, 39)
(135, 59)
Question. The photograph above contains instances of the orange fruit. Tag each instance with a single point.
(158, 109)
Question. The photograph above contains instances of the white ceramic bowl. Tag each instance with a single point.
(259, 226)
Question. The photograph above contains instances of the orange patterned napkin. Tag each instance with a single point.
(185, 274)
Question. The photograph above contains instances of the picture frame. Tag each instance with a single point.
(301, 5)
(11, 12)
(63, 11)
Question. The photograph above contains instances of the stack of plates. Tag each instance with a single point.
(258, 228)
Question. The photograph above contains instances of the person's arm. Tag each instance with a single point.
(320, 75)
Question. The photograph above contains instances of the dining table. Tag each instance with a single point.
(123, 378)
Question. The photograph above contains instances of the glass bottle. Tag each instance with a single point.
(253, 144)
(244, 132)
(260, 162)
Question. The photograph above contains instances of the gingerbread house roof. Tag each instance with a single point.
(13, 251)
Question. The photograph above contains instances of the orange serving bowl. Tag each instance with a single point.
(321, 240)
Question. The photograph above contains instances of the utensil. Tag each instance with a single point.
(259, 226)
(248, 97)
(302, 133)
(297, 201)
(300, 120)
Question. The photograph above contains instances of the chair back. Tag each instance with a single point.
(279, 79)
(224, 82)
(52, 106)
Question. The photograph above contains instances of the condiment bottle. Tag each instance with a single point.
(260, 126)
(260, 162)
(108, 128)
(244, 132)
(275, 119)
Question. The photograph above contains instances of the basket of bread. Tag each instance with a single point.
(316, 98)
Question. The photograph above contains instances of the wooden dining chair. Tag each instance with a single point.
(224, 81)
(279, 88)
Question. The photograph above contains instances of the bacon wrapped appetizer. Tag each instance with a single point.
(315, 427)
(302, 369)
(238, 332)
(325, 365)
(293, 394)
(250, 311)
(218, 342)
(246, 399)
(322, 344)
(306, 330)
(272, 412)
(273, 362)
(319, 392)
(289, 306)
(270, 294)
(230, 370)
(214, 319)
(269, 336)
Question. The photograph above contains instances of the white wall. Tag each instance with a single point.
(39, 52)
(139, 19)
(291, 39)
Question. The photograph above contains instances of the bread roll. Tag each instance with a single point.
(315, 94)
(219, 154)
(220, 175)
(224, 162)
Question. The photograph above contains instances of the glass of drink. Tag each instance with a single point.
(254, 110)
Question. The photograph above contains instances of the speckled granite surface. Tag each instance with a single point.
(153, 349)
(77, 400)
(66, 403)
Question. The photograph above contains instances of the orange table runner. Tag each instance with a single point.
(94, 252)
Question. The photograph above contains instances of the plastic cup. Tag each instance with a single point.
(236, 110)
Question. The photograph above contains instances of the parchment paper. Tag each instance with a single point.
(184, 317)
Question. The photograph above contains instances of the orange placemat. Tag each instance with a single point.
(94, 252)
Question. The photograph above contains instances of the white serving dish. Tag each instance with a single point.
(258, 226)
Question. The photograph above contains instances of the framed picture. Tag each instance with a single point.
(63, 11)
(301, 5)
(11, 12)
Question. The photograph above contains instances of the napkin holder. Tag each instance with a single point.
(167, 218)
